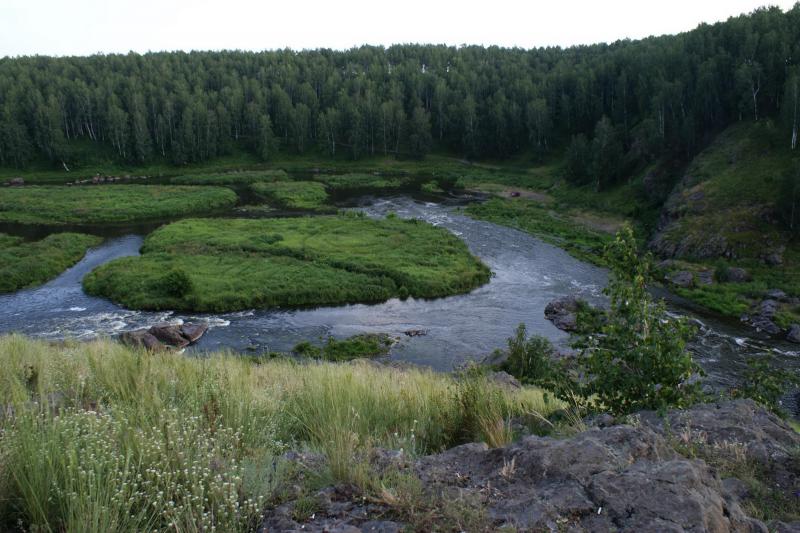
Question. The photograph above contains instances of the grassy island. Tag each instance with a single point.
(308, 195)
(231, 178)
(218, 265)
(108, 204)
(25, 264)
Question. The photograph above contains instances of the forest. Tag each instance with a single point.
(611, 108)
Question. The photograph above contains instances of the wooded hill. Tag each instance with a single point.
(616, 106)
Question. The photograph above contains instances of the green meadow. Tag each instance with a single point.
(108, 204)
(232, 264)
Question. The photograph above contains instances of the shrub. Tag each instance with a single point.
(638, 359)
(176, 283)
(765, 383)
(530, 359)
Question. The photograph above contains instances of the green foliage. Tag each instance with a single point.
(765, 383)
(578, 160)
(247, 263)
(25, 264)
(107, 438)
(108, 204)
(543, 222)
(232, 178)
(530, 359)
(638, 359)
(308, 195)
(176, 283)
(365, 345)
(353, 183)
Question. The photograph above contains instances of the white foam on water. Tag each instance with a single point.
(77, 309)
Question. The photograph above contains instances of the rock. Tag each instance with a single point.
(682, 278)
(793, 335)
(738, 275)
(193, 332)
(141, 338)
(774, 259)
(619, 478)
(705, 277)
(169, 334)
(607, 478)
(162, 336)
(415, 332)
(505, 379)
(768, 308)
(760, 435)
(775, 294)
(666, 264)
(562, 312)
(762, 318)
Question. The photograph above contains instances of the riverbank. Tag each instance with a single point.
(99, 437)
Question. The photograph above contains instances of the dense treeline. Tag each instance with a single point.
(614, 106)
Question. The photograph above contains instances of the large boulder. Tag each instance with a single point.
(563, 312)
(793, 335)
(681, 278)
(162, 336)
(169, 334)
(193, 332)
(738, 275)
(620, 478)
(141, 338)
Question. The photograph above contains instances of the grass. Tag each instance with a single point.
(108, 204)
(544, 222)
(26, 264)
(353, 183)
(766, 500)
(226, 265)
(305, 195)
(99, 437)
(231, 178)
(366, 345)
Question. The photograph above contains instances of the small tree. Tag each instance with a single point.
(638, 360)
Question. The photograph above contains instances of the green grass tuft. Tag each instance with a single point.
(26, 264)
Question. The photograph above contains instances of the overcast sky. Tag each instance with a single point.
(82, 27)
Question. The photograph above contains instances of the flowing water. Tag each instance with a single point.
(528, 273)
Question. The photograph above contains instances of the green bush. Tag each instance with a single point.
(638, 359)
(176, 283)
(530, 359)
(765, 383)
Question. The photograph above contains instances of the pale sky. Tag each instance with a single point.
(82, 27)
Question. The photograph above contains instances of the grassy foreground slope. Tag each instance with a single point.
(25, 264)
(107, 204)
(96, 437)
(231, 264)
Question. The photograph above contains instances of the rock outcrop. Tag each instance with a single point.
(630, 477)
(163, 336)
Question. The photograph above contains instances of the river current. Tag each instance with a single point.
(527, 274)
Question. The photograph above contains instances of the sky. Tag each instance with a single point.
(83, 27)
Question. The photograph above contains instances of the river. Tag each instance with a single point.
(527, 274)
